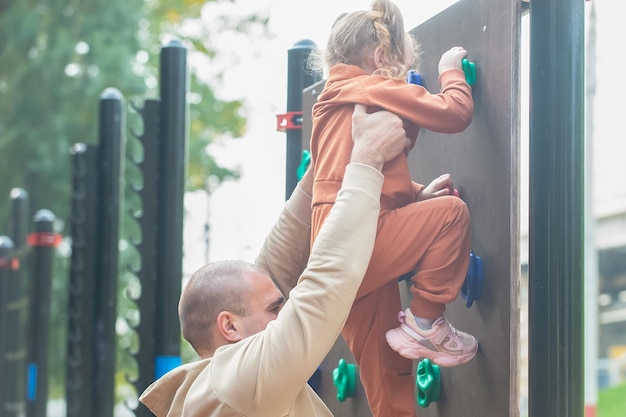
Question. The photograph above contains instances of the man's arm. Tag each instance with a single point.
(284, 356)
(285, 251)
(268, 371)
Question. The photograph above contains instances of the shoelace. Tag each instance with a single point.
(454, 331)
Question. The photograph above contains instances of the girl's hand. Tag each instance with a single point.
(438, 187)
(452, 59)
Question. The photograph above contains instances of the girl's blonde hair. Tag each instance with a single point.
(356, 35)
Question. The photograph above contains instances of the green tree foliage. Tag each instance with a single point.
(56, 59)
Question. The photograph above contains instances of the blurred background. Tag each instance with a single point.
(56, 58)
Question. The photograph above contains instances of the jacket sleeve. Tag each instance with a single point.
(285, 251)
(450, 111)
(417, 189)
(267, 371)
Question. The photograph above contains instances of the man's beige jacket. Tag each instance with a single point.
(266, 375)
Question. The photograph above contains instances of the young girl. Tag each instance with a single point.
(423, 229)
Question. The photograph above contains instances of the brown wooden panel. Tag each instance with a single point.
(484, 163)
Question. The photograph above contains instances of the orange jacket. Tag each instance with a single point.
(331, 139)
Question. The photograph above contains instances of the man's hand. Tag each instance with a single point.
(378, 137)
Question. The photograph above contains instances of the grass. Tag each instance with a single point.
(612, 402)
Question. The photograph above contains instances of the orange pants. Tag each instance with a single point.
(432, 236)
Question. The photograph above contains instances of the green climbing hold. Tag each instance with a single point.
(344, 378)
(304, 164)
(470, 71)
(428, 381)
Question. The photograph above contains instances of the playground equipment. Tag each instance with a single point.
(484, 161)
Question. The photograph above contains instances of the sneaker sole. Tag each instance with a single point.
(398, 341)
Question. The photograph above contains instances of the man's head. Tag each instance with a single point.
(225, 302)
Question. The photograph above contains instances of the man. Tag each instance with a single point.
(258, 351)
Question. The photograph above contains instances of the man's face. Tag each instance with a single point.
(265, 302)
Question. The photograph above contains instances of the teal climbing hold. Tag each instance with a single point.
(344, 378)
(428, 381)
(304, 164)
(470, 71)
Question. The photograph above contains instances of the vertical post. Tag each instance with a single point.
(111, 148)
(147, 249)
(298, 78)
(6, 254)
(16, 308)
(82, 280)
(43, 241)
(591, 251)
(556, 208)
(171, 189)
(19, 217)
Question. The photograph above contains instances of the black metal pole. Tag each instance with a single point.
(556, 313)
(82, 280)
(147, 249)
(43, 241)
(16, 308)
(6, 254)
(171, 189)
(14, 341)
(298, 78)
(111, 149)
(19, 217)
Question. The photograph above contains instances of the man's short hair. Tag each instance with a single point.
(216, 287)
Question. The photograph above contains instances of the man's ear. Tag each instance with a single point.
(229, 327)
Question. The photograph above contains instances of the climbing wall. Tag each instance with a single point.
(484, 163)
